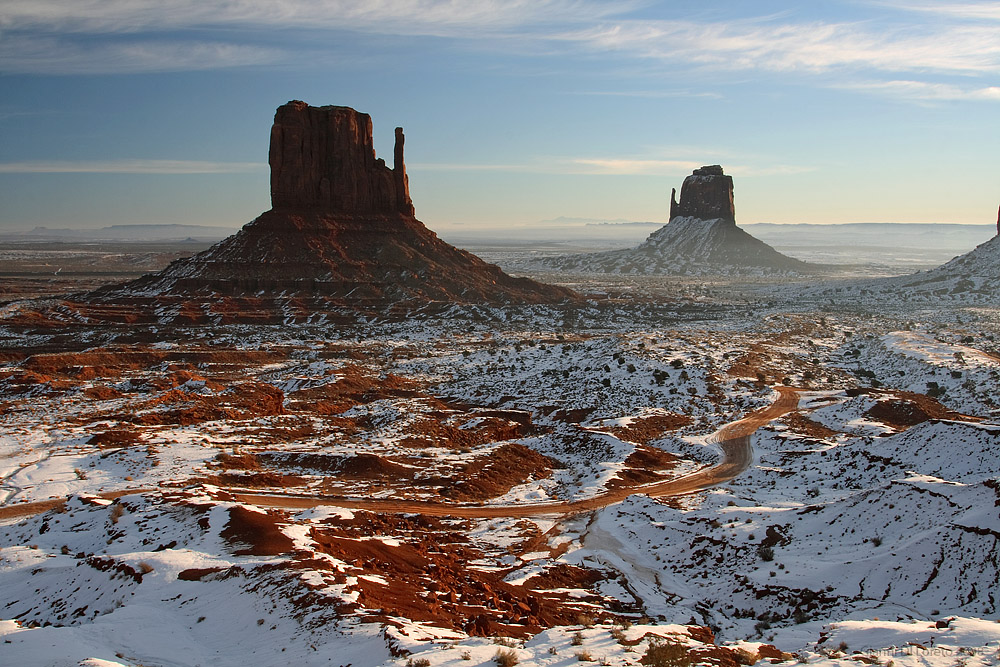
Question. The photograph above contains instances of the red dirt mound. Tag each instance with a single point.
(498, 472)
(801, 424)
(644, 430)
(643, 466)
(241, 401)
(360, 466)
(562, 575)
(250, 533)
(122, 437)
(428, 580)
(430, 432)
(902, 409)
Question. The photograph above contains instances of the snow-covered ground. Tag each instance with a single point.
(866, 530)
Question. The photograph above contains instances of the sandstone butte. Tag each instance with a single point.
(701, 238)
(341, 235)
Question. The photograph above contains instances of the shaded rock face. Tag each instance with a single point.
(707, 194)
(324, 158)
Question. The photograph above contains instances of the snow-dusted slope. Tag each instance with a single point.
(687, 246)
(972, 278)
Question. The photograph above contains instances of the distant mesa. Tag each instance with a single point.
(341, 233)
(700, 238)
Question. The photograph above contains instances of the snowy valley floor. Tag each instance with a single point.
(864, 530)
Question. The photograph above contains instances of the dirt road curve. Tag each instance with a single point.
(733, 438)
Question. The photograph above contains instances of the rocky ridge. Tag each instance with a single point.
(700, 238)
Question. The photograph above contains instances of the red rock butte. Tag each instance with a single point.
(324, 158)
(341, 234)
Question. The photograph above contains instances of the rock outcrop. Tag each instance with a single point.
(341, 233)
(706, 194)
(701, 238)
(324, 158)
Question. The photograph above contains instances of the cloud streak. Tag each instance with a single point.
(809, 47)
(130, 36)
(38, 55)
(409, 17)
(964, 10)
(613, 166)
(158, 167)
(929, 92)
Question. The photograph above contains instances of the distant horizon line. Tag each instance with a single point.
(561, 221)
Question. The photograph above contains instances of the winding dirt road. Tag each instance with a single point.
(733, 438)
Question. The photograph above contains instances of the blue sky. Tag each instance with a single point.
(132, 111)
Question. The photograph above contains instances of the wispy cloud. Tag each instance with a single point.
(128, 167)
(926, 91)
(128, 36)
(409, 17)
(962, 10)
(613, 166)
(616, 166)
(649, 94)
(90, 36)
(49, 55)
(810, 47)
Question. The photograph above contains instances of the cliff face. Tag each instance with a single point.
(706, 194)
(324, 158)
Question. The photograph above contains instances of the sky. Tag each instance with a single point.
(154, 111)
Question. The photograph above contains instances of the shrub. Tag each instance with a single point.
(117, 510)
(505, 657)
(766, 553)
(418, 662)
(661, 653)
(584, 656)
(577, 639)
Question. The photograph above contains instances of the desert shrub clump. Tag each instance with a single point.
(418, 662)
(661, 653)
(505, 657)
